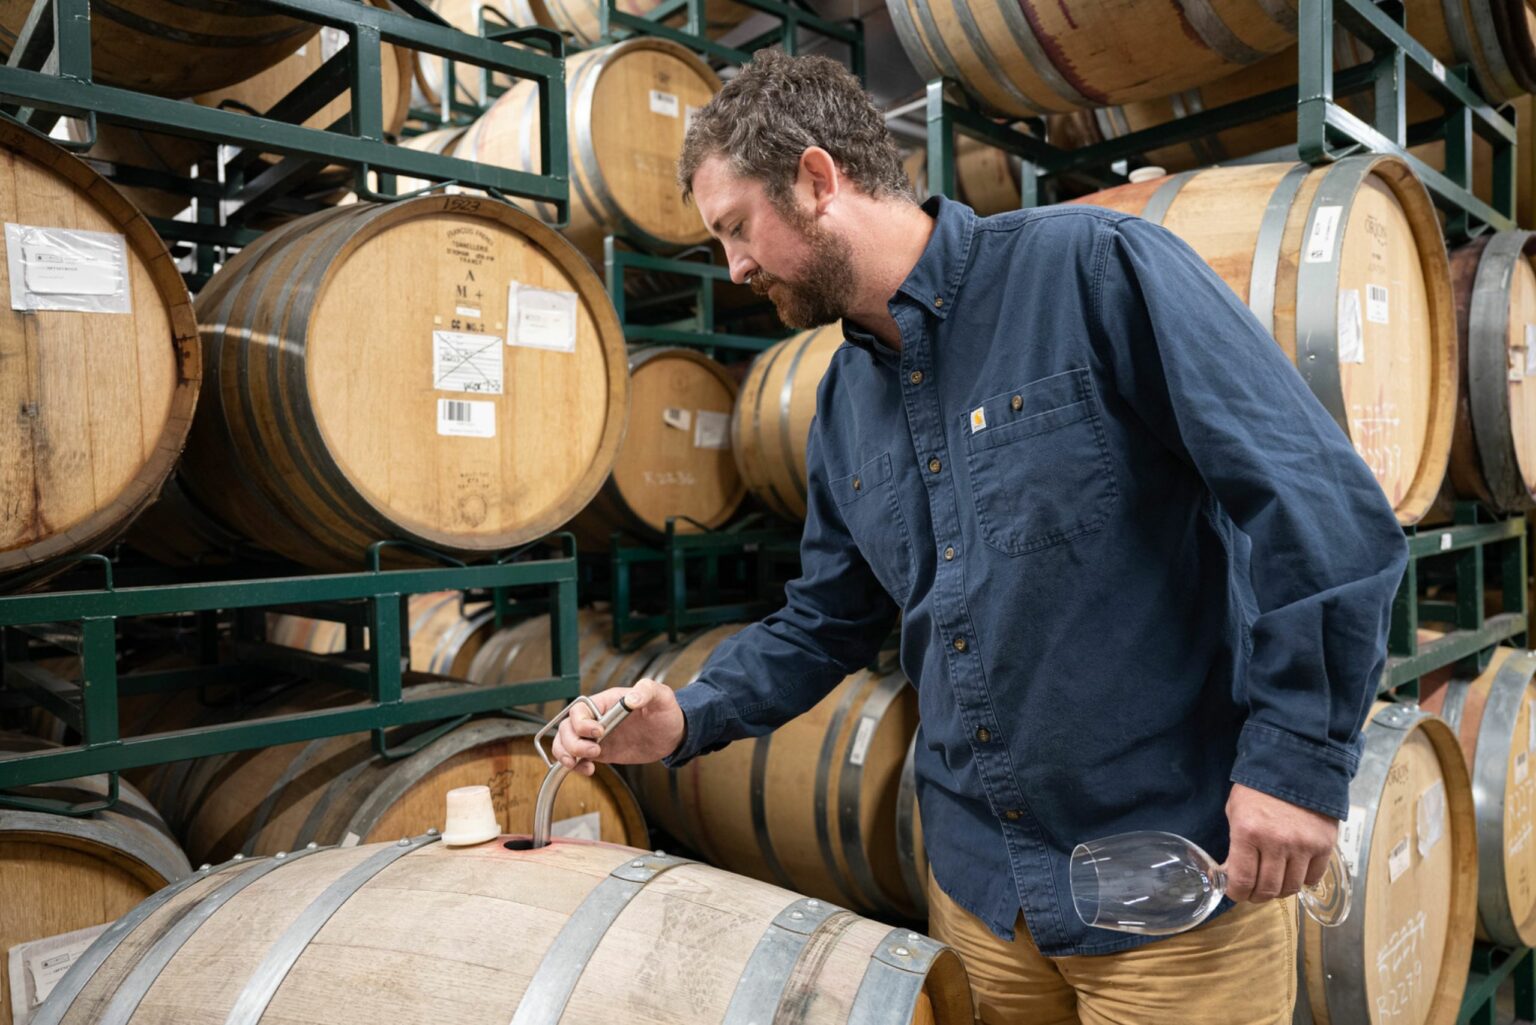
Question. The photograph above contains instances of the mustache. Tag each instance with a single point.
(761, 282)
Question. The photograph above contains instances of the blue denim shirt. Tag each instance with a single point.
(1134, 559)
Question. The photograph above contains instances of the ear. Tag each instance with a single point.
(819, 178)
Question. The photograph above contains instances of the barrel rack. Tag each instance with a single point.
(49, 76)
(1326, 131)
(737, 574)
(92, 617)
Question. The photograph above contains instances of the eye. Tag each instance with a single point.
(736, 231)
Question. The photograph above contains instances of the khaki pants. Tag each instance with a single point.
(1238, 969)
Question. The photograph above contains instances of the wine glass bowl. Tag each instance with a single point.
(1156, 884)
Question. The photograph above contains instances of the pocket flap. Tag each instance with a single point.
(852, 487)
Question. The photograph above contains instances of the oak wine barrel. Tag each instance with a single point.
(367, 381)
(1027, 58)
(173, 47)
(1345, 265)
(811, 806)
(1493, 456)
(522, 652)
(338, 790)
(444, 634)
(676, 458)
(1410, 845)
(64, 879)
(627, 107)
(986, 179)
(1494, 716)
(466, 15)
(102, 364)
(414, 930)
(1496, 37)
(772, 422)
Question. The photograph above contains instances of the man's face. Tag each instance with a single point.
(780, 250)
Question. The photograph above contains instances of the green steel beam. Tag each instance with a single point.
(16, 610)
(135, 752)
(1490, 967)
(1453, 647)
(1437, 541)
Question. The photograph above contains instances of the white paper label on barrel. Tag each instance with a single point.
(712, 430)
(541, 318)
(35, 968)
(1325, 225)
(679, 418)
(861, 738)
(1378, 308)
(350, 840)
(1530, 350)
(1398, 860)
(464, 362)
(1351, 331)
(1351, 830)
(460, 418)
(473, 313)
(1431, 817)
(1522, 767)
(579, 827)
(66, 269)
(664, 104)
(1516, 360)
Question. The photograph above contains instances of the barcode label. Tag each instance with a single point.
(664, 104)
(1378, 308)
(464, 419)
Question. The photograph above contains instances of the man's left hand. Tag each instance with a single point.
(1277, 847)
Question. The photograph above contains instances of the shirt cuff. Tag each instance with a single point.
(706, 712)
(1296, 769)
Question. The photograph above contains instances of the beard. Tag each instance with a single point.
(824, 287)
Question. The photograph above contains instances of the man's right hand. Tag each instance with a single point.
(652, 731)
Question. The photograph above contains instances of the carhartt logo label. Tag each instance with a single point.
(978, 419)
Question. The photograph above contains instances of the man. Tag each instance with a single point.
(1143, 579)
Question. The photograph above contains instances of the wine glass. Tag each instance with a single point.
(1157, 884)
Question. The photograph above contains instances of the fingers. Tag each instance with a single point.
(1295, 875)
(1316, 868)
(1242, 869)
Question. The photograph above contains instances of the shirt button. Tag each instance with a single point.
(949, 553)
(934, 466)
(938, 301)
(1017, 403)
(959, 643)
(857, 484)
(983, 734)
(917, 377)
(1013, 814)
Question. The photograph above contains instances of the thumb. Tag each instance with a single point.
(643, 693)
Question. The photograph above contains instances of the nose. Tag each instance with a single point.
(742, 267)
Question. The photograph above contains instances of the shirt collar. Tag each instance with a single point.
(934, 281)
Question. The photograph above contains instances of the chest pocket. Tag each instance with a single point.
(1040, 469)
(867, 501)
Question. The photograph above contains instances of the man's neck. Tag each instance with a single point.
(884, 255)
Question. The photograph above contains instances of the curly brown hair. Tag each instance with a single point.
(779, 106)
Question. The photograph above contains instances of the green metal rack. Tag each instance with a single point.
(703, 553)
(49, 75)
(91, 705)
(1467, 548)
(1326, 131)
(696, 327)
(793, 17)
(1492, 967)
